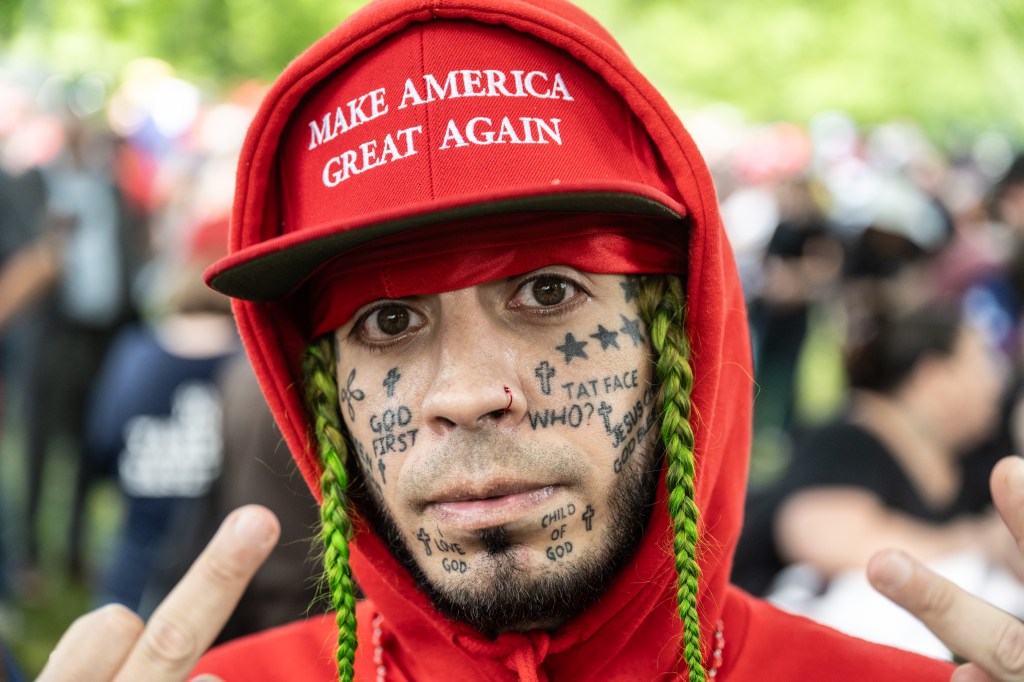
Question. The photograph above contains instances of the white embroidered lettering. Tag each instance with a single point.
(355, 161)
(471, 84)
(559, 87)
(496, 83)
(482, 131)
(452, 133)
(320, 135)
(531, 88)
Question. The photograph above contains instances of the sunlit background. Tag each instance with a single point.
(842, 93)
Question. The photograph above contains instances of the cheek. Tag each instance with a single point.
(599, 393)
(380, 419)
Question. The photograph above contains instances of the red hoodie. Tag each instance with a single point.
(634, 632)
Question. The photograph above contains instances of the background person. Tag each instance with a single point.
(891, 471)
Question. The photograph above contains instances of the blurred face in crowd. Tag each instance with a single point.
(975, 386)
(963, 389)
(505, 433)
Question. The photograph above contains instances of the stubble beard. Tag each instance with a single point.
(513, 598)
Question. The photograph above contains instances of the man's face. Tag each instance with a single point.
(506, 435)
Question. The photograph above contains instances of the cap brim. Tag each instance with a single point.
(274, 268)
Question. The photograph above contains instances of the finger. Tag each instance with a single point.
(94, 647)
(969, 672)
(1007, 483)
(977, 631)
(187, 621)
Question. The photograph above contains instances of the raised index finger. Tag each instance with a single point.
(974, 629)
(1007, 484)
(190, 617)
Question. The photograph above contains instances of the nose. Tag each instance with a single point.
(475, 384)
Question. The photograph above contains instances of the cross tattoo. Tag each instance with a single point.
(605, 410)
(390, 380)
(544, 372)
(588, 517)
(380, 466)
(424, 537)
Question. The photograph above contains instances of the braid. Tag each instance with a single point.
(335, 524)
(662, 306)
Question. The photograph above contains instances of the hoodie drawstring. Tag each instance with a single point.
(522, 654)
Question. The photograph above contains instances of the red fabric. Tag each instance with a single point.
(589, 138)
(633, 633)
(441, 116)
(407, 264)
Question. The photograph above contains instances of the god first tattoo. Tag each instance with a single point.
(393, 436)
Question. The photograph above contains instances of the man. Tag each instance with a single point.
(464, 237)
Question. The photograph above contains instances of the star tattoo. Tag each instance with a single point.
(631, 328)
(572, 348)
(606, 337)
(630, 288)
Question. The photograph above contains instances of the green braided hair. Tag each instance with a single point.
(335, 525)
(662, 306)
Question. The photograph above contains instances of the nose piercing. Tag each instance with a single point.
(509, 392)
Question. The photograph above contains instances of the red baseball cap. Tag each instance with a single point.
(451, 122)
(603, 189)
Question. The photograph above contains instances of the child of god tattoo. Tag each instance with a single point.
(556, 522)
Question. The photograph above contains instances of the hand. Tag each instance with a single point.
(992, 640)
(113, 644)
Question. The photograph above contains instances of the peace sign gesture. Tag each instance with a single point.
(113, 644)
(992, 640)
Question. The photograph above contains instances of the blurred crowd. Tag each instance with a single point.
(884, 277)
(118, 366)
(884, 273)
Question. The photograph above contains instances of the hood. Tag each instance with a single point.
(641, 604)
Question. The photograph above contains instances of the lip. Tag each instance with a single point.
(491, 504)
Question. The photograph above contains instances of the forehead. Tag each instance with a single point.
(460, 255)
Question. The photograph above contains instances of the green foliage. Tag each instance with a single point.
(940, 63)
(216, 41)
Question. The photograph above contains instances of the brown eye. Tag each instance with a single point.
(393, 319)
(549, 290)
(547, 294)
